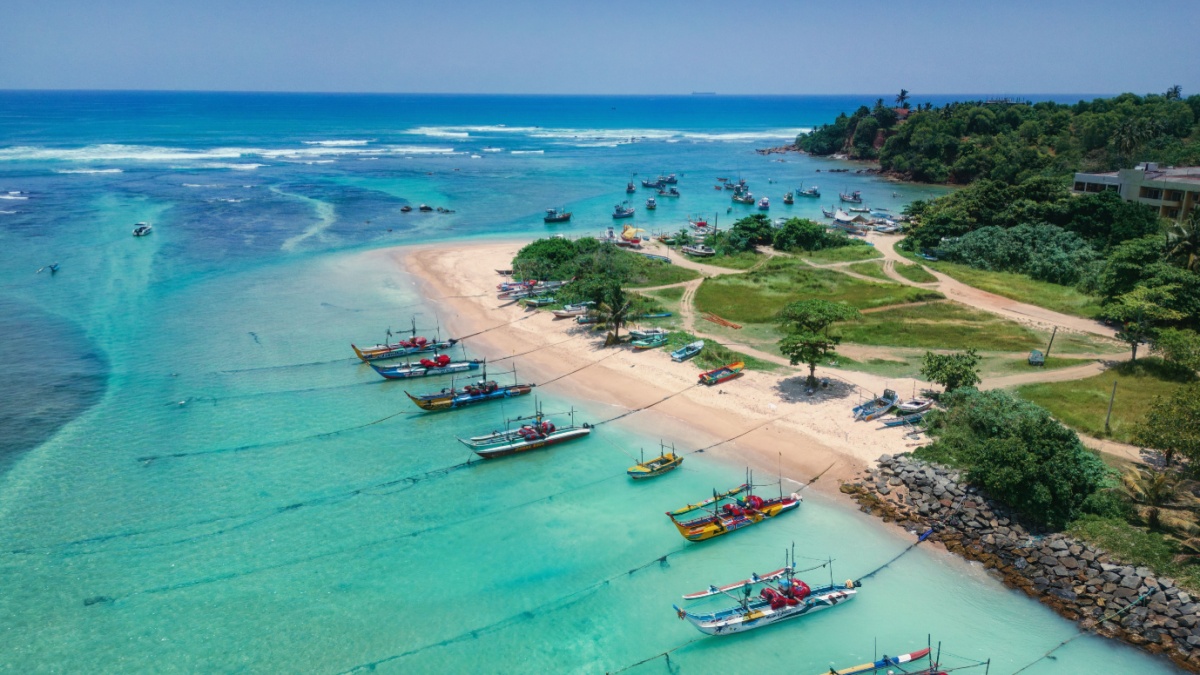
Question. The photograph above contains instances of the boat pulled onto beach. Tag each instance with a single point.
(876, 407)
(723, 374)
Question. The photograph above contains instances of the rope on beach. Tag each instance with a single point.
(588, 365)
(733, 438)
(553, 605)
(647, 407)
(535, 349)
(485, 330)
(1084, 631)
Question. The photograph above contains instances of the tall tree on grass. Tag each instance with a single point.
(1140, 312)
(810, 336)
(952, 371)
(614, 311)
(1172, 425)
(1179, 346)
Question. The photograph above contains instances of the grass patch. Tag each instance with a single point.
(909, 367)
(1082, 404)
(738, 261)
(1136, 546)
(869, 269)
(940, 325)
(673, 294)
(715, 355)
(915, 273)
(756, 297)
(647, 272)
(1003, 365)
(1021, 288)
(841, 254)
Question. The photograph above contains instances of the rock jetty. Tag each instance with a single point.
(1079, 581)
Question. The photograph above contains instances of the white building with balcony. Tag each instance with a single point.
(1173, 191)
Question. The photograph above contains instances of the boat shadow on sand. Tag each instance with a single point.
(797, 390)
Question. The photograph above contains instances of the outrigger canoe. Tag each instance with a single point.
(541, 434)
(885, 662)
(735, 514)
(451, 398)
(876, 407)
(427, 368)
(392, 350)
(722, 374)
(655, 467)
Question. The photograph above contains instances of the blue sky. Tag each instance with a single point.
(612, 47)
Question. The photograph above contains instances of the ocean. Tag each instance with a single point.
(196, 475)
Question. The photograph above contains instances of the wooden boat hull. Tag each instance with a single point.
(882, 663)
(557, 219)
(686, 352)
(759, 614)
(754, 579)
(522, 445)
(655, 467)
(454, 400)
(405, 372)
(709, 527)
(903, 420)
(876, 408)
(722, 374)
(381, 352)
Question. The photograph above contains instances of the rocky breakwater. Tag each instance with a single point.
(1081, 582)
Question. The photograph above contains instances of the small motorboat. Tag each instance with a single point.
(622, 211)
(405, 209)
(853, 198)
(669, 192)
(655, 467)
(572, 310)
(722, 374)
(699, 250)
(643, 333)
(651, 204)
(875, 407)
(813, 191)
(764, 204)
(556, 216)
(142, 229)
(425, 208)
(630, 188)
(914, 405)
(788, 199)
(687, 351)
(650, 342)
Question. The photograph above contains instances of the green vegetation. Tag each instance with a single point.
(909, 367)
(565, 259)
(1172, 425)
(1010, 366)
(952, 371)
(809, 337)
(869, 269)
(941, 325)
(1023, 289)
(1180, 347)
(757, 296)
(715, 355)
(1082, 404)
(857, 250)
(673, 294)
(915, 273)
(742, 260)
(1137, 546)
(1018, 453)
(802, 234)
(1010, 142)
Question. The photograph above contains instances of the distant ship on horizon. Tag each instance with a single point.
(704, 93)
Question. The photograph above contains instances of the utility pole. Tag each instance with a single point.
(1107, 417)
(1051, 344)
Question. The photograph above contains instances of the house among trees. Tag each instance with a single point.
(1174, 192)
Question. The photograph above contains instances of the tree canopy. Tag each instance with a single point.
(952, 371)
(1172, 425)
(809, 336)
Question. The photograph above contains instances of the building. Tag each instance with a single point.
(1173, 191)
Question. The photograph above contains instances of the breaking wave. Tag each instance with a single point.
(88, 171)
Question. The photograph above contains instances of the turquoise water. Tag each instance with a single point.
(207, 493)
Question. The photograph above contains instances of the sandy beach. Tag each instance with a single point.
(784, 428)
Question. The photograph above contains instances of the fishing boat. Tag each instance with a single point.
(885, 662)
(415, 344)
(699, 250)
(665, 462)
(730, 512)
(452, 398)
(903, 420)
(630, 188)
(876, 407)
(629, 235)
(723, 374)
(828, 213)
(643, 333)
(1037, 358)
(649, 342)
(813, 191)
(788, 599)
(651, 204)
(764, 204)
(622, 211)
(744, 198)
(405, 209)
(439, 365)
(540, 433)
(540, 301)
(687, 351)
(697, 222)
(788, 199)
(587, 319)
(862, 209)
(142, 229)
(668, 180)
(853, 198)
(730, 186)
(556, 216)
(914, 405)
(653, 184)
(577, 309)
(425, 208)
(669, 192)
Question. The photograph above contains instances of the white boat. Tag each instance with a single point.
(572, 310)
(142, 229)
(699, 250)
(646, 333)
(764, 204)
(914, 405)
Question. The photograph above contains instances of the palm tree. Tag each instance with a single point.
(1153, 489)
(1174, 93)
(1183, 241)
(902, 99)
(614, 311)
(1130, 135)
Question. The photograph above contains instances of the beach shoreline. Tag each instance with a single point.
(774, 427)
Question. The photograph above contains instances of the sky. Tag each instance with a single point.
(609, 47)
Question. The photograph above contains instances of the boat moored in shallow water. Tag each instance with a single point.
(415, 344)
(725, 512)
(540, 433)
(664, 463)
(451, 398)
(142, 229)
(556, 216)
(440, 365)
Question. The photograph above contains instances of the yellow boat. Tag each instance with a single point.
(733, 515)
(655, 467)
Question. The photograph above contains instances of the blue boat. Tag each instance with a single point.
(660, 258)
(687, 351)
(876, 407)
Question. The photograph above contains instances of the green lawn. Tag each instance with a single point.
(1136, 546)
(738, 261)
(756, 297)
(715, 355)
(1021, 288)
(647, 272)
(1004, 365)
(941, 325)
(915, 273)
(869, 269)
(910, 366)
(1082, 404)
(841, 254)
(673, 294)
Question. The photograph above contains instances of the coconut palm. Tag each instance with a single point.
(1151, 490)
(1174, 93)
(614, 312)
(902, 99)
(1183, 241)
(1132, 134)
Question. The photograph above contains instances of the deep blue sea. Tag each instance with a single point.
(186, 481)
